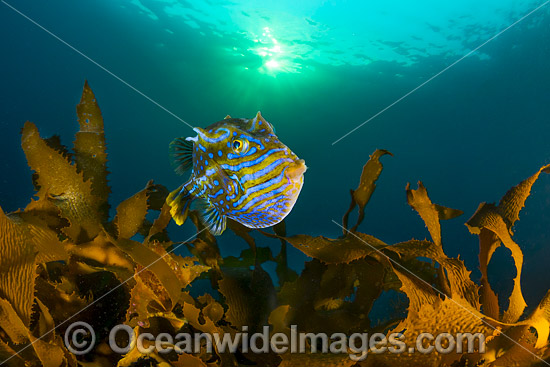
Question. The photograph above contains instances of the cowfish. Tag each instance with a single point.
(239, 170)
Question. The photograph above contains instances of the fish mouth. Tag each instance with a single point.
(296, 170)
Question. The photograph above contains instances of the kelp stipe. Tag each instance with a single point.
(62, 260)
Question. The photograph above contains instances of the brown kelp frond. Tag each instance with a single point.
(367, 183)
(90, 149)
(430, 213)
(131, 214)
(454, 278)
(62, 184)
(493, 224)
(336, 251)
(62, 260)
(48, 351)
(17, 267)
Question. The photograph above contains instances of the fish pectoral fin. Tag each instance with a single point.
(226, 181)
(238, 181)
(181, 150)
(210, 216)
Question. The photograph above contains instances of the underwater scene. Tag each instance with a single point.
(292, 183)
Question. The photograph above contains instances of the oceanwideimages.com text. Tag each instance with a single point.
(80, 338)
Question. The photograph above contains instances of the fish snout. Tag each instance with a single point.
(296, 169)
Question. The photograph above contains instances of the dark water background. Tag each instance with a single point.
(469, 135)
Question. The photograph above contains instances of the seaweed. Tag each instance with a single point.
(63, 260)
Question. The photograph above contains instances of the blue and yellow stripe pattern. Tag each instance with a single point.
(239, 170)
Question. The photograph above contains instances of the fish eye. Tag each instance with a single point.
(239, 146)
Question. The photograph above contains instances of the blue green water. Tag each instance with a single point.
(316, 70)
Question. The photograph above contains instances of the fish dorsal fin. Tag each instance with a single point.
(259, 124)
(210, 216)
(182, 154)
(227, 117)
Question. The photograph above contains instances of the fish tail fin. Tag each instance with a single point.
(179, 201)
